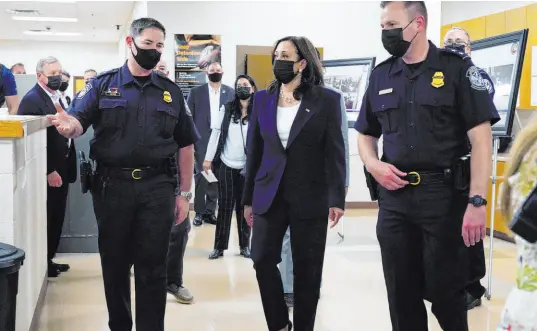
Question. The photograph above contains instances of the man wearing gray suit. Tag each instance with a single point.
(205, 102)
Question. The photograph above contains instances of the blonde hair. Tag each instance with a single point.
(522, 144)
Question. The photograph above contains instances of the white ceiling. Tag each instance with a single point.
(97, 20)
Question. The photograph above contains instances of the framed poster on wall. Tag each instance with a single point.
(350, 77)
(502, 58)
(193, 53)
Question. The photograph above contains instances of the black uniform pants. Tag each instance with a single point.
(308, 241)
(176, 252)
(134, 219)
(206, 194)
(230, 185)
(478, 269)
(423, 255)
(56, 205)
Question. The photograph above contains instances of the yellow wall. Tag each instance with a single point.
(500, 23)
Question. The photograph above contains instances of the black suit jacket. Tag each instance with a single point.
(200, 107)
(60, 157)
(311, 171)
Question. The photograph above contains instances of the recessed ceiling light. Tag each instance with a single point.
(45, 19)
(49, 33)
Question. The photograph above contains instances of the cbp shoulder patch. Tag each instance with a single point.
(85, 90)
(460, 54)
(477, 82)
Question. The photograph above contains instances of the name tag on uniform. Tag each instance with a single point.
(386, 91)
(112, 92)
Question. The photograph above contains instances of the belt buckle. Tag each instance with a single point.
(134, 172)
(418, 178)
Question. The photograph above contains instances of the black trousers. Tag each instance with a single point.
(176, 252)
(423, 255)
(230, 185)
(206, 193)
(56, 205)
(477, 270)
(308, 241)
(134, 219)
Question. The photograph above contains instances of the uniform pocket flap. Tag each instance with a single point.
(384, 103)
(112, 103)
(167, 110)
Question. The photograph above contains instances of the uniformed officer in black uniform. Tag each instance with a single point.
(458, 39)
(426, 103)
(140, 122)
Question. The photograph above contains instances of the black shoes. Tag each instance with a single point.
(245, 251)
(206, 218)
(472, 301)
(216, 254)
(55, 269)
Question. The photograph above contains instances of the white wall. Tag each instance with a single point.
(74, 57)
(456, 11)
(344, 29)
(139, 10)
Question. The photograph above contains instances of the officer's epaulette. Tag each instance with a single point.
(108, 72)
(387, 61)
(460, 54)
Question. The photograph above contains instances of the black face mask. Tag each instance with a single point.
(457, 47)
(146, 58)
(243, 92)
(284, 71)
(393, 41)
(64, 86)
(54, 82)
(215, 77)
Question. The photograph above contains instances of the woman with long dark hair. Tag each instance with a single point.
(227, 150)
(295, 176)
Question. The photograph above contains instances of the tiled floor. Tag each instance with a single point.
(226, 293)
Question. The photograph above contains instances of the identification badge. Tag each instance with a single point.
(112, 92)
(386, 91)
(166, 96)
(438, 79)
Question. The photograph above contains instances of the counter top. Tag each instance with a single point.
(15, 126)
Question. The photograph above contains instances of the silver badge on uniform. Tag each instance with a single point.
(477, 82)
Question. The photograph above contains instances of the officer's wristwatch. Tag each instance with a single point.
(477, 201)
(186, 195)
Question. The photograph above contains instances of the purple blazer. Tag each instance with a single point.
(310, 172)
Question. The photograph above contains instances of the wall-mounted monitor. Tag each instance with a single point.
(502, 58)
(350, 77)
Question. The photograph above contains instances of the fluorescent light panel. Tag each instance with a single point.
(48, 33)
(45, 19)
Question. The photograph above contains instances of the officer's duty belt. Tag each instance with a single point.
(131, 173)
(415, 178)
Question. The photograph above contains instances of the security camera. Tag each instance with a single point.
(118, 26)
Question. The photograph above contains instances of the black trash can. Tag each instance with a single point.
(11, 259)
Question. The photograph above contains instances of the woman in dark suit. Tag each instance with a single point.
(227, 152)
(295, 176)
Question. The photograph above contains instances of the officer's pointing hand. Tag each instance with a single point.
(61, 121)
(387, 175)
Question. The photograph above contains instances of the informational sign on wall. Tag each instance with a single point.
(193, 53)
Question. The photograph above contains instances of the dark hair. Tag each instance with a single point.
(214, 62)
(311, 75)
(66, 74)
(235, 105)
(412, 7)
(139, 25)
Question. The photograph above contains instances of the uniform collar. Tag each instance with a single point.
(127, 78)
(432, 60)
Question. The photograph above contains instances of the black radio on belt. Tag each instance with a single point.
(461, 173)
(86, 172)
(524, 223)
